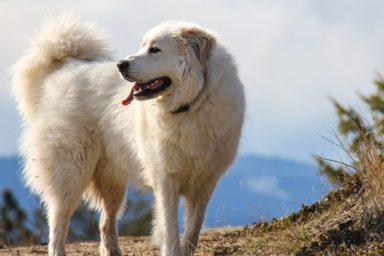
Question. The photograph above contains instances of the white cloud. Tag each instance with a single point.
(267, 185)
(312, 59)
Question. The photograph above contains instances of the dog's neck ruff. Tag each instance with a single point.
(181, 109)
(186, 107)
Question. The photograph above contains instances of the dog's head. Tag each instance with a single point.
(170, 65)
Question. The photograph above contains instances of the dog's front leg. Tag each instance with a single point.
(166, 228)
(196, 201)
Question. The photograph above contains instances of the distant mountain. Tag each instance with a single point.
(254, 188)
(261, 188)
(11, 178)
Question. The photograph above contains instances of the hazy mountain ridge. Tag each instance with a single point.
(11, 178)
(254, 187)
(261, 187)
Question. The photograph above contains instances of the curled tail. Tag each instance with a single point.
(59, 38)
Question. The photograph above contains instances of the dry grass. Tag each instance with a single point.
(371, 171)
(371, 174)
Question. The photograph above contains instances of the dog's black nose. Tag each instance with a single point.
(123, 65)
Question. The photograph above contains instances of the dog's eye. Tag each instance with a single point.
(154, 50)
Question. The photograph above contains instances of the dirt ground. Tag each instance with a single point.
(212, 242)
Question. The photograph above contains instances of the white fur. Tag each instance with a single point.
(79, 139)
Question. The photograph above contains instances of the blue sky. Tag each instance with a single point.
(291, 55)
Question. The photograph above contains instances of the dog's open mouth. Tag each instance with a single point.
(147, 90)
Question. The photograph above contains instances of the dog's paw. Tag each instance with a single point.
(110, 252)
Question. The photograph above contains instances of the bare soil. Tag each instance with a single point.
(212, 242)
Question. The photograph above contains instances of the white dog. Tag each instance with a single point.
(176, 132)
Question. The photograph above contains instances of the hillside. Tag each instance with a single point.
(337, 225)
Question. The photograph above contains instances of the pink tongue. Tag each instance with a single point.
(129, 99)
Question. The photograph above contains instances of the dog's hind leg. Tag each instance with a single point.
(62, 197)
(109, 185)
(59, 165)
(196, 202)
(59, 212)
(109, 245)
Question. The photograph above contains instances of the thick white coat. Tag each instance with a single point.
(80, 142)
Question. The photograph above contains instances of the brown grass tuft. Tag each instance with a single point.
(371, 172)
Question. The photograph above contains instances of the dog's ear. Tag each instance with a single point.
(200, 41)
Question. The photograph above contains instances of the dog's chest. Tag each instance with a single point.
(184, 145)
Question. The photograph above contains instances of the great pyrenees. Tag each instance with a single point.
(167, 118)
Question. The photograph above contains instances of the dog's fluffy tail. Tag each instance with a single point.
(58, 39)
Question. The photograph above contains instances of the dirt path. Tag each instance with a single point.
(212, 242)
(129, 245)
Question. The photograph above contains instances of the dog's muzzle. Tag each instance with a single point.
(123, 66)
